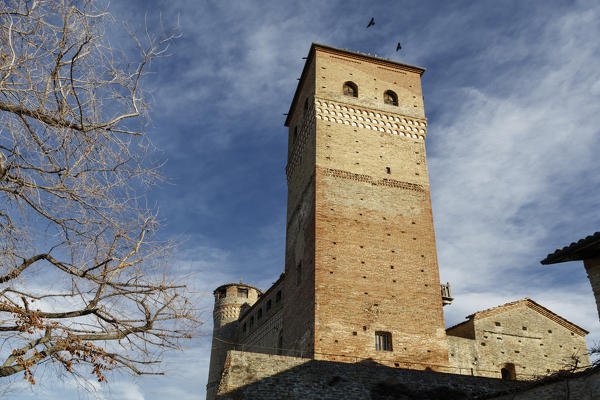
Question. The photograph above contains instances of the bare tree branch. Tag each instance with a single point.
(83, 282)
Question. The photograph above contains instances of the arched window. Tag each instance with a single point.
(390, 98)
(350, 89)
(508, 372)
(295, 134)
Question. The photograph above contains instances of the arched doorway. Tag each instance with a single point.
(508, 372)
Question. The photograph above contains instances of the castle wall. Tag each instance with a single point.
(280, 377)
(463, 356)
(261, 326)
(463, 330)
(581, 386)
(298, 315)
(536, 345)
(375, 264)
(229, 301)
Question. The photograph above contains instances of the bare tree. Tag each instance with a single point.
(83, 284)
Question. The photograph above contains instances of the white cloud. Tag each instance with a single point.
(516, 161)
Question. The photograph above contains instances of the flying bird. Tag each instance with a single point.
(371, 22)
(399, 46)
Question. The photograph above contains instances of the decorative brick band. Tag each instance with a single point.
(338, 173)
(374, 120)
(359, 117)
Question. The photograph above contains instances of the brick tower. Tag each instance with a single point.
(230, 301)
(361, 270)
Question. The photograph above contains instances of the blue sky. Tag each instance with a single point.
(512, 94)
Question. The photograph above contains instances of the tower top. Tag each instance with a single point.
(348, 54)
(242, 285)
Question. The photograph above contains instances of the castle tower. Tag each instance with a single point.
(230, 301)
(362, 278)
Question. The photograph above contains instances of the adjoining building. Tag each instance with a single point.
(586, 250)
(361, 279)
(518, 340)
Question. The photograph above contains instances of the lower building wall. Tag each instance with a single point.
(581, 386)
(264, 376)
(265, 338)
(462, 356)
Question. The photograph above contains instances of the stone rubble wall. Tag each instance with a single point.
(582, 386)
(265, 376)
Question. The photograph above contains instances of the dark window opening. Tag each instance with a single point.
(278, 297)
(497, 323)
(390, 97)
(251, 321)
(524, 328)
(299, 274)
(295, 134)
(350, 89)
(280, 343)
(305, 106)
(244, 328)
(221, 294)
(383, 341)
(508, 372)
(388, 170)
(259, 315)
(242, 293)
(269, 304)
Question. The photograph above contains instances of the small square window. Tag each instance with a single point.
(242, 292)
(383, 341)
(524, 328)
(497, 323)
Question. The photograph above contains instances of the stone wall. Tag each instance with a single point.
(260, 376)
(582, 386)
(521, 335)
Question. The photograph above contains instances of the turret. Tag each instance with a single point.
(230, 301)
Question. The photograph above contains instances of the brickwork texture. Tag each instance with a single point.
(361, 279)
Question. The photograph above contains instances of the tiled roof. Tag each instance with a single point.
(580, 250)
(527, 302)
